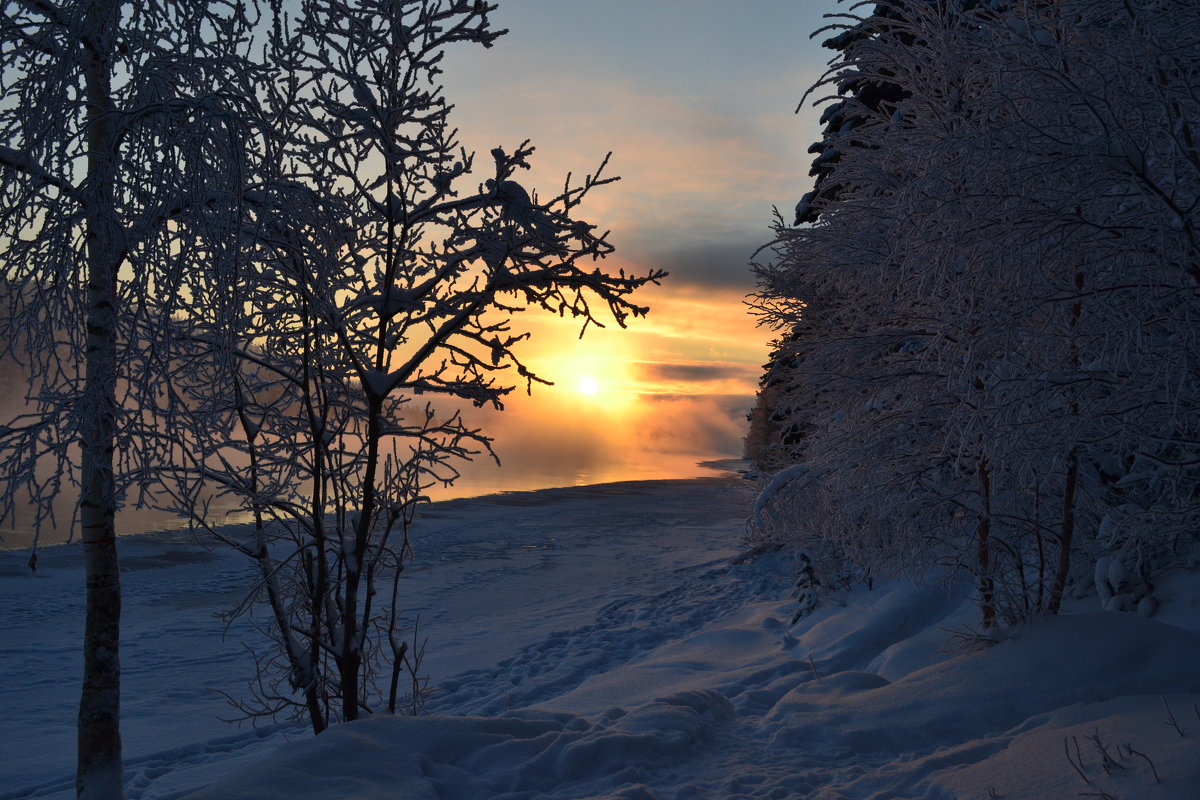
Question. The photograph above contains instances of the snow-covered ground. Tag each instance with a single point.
(606, 641)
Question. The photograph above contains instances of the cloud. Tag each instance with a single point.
(689, 323)
(697, 185)
(690, 379)
(693, 372)
(720, 264)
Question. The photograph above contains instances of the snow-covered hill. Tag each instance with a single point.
(607, 642)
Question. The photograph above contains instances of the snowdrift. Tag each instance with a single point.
(839, 705)
(608, 642)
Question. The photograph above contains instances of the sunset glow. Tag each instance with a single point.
(649, 401)
(588, 385)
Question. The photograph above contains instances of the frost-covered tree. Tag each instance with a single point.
(997, 308)
(379, 290)
(108, 112)
(860, 96)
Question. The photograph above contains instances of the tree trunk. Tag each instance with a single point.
(351, 660)
(99, 769)
(1067, 533)
(1067, 526)
(987, 588)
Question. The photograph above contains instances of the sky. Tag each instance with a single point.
(696, 100)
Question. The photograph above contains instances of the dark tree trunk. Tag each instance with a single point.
(99, 770)
(1066, 534)
(987, 588)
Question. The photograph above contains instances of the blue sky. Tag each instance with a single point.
(696, 98)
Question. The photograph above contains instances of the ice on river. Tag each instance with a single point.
(607, 641)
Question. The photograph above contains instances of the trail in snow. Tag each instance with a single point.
(622, 631)
(493, 577)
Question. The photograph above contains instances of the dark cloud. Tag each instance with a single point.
(724, 264)
(695, 372)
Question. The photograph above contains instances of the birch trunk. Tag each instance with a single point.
(99, 769)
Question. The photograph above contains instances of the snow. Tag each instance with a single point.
(609, 642)
(778, 481)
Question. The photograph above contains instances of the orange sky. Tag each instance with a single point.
(649, 401)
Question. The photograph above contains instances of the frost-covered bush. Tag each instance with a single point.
(793, 512)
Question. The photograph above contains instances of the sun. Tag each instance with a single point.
(587, 385)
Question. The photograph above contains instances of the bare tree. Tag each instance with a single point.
(376, 296)
(108, 110)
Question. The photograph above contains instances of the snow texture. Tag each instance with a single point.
(606, 642)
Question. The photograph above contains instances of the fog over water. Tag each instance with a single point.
(663, 396)
(554, 438)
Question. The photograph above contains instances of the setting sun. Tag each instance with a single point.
(587, 385)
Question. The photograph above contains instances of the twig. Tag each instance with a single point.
(1078, 767)
(812, 664)
(964, 640)
(1129, 749)
(1107, 762)
(1171, 718)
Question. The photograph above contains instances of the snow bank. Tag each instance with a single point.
(603, 643)
(516, 754)
(855, 701)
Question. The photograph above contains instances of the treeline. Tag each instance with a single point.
(988, 305)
